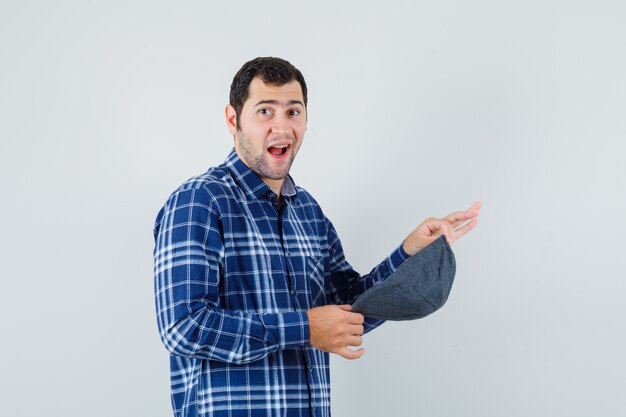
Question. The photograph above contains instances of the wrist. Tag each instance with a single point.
(409, 248)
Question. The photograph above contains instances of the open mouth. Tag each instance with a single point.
(279, 151)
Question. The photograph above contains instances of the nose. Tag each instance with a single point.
(281, 124)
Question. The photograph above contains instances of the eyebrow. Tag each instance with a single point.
(279, 103)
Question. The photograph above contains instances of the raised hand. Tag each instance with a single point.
(453, 226)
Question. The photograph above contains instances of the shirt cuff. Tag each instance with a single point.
(295, 329)
(398, 257)
(287, 330)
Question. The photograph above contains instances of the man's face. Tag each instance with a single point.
(270, 128)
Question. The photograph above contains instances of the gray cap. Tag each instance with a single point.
(419, 287)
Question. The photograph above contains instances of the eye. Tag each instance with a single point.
(294, 112)
(264, 111)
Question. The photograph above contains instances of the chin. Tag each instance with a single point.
(277, 176)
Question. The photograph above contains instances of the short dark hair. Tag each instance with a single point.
(271, 70)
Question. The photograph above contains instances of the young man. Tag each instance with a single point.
(252, 288)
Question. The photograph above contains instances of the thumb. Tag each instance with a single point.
(346, 307)
(350, 354)
(432, 228)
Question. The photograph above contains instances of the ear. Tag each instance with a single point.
(231, 119)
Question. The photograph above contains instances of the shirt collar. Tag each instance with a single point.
(250, 182)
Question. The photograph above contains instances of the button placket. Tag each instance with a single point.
(287, 253)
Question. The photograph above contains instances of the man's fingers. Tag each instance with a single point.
(459, 217)
(456, 217)
(354, 340)
(475, 207)
(334, 328)
(437, 227)
(452, 226)
(449, 232)
(356, 329)
(350, 354)
(356, 318)
(432, 227)
(465, 229)
(353, 318)
(445, 229)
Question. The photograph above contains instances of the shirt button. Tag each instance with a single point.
(293, 292)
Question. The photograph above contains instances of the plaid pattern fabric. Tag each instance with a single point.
(233, 280)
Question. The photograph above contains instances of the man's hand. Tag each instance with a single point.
(452, 226)
(333, 328)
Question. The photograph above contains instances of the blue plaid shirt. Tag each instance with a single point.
(234, 277)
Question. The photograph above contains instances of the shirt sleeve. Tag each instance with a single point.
(188, 254)
(346, 285)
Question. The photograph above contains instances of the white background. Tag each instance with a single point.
(416, 109)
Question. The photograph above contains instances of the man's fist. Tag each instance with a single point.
(333, 328)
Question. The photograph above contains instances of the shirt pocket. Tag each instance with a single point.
(315, 280)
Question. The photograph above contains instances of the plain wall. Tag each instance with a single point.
(416, 109)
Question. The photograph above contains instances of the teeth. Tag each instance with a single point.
(280, 146)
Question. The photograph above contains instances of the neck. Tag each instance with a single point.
(275, 185)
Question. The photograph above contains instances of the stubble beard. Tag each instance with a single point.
(260, 163)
